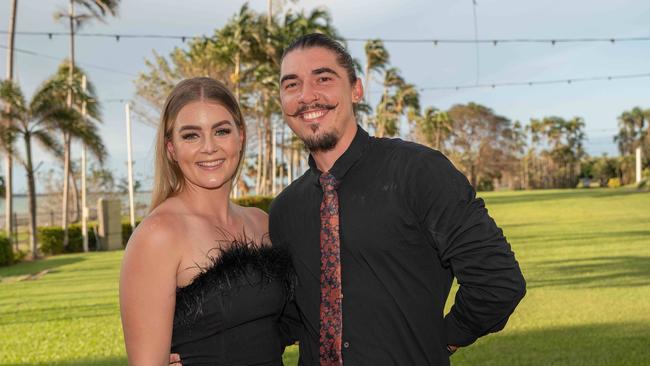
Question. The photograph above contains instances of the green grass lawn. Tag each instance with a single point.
(585, 255)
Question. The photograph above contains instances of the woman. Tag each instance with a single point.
(198, 276)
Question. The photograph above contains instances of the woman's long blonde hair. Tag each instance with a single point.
(168, 178)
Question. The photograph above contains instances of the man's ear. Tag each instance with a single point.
(357, 91)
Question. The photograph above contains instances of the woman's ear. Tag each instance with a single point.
(171, 152)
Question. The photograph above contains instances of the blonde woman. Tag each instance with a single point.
(199, 277)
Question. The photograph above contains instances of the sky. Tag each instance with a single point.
(113, 66)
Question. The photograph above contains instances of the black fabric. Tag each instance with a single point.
(409, 223)
(229, 314)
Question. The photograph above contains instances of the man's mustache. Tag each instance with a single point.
(307, 107)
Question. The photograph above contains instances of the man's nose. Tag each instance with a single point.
(307, 94)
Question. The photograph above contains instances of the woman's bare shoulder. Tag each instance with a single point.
(257, 223)
(161, 228)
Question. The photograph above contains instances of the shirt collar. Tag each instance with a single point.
(353, 153)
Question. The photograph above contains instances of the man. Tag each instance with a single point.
(378, 229)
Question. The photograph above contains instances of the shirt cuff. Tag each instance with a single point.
(455, 335)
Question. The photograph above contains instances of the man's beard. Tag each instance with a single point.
(324, 142)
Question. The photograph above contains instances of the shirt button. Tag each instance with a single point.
(346, 344)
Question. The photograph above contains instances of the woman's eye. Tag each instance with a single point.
(222, 131)
(189, 136)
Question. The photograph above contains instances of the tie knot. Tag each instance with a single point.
(328, 182)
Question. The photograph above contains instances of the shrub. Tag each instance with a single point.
(261, 202)
(6, 252)
(126, 231)
(50, 239)
(644, 184)
(614, 183)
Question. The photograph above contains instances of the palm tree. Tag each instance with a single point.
(83, 130)
(235, 43)
(95, 9)
(433, 127)
(399, 98)
(631, 130)
(377, 58)
(7, 149)
(37, 120)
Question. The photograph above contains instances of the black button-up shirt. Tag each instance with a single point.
(409, 223)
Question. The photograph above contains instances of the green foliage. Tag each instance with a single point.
(50, 239)
(601, 169)
(485, 184)
(481, 142)
(6, 251)
(261, 202)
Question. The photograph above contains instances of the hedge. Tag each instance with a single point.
(261, 202)
(6, 252)
(126, 231)
(50, 239)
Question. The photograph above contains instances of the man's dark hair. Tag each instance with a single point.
(320, 40)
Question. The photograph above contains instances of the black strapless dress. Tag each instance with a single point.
(229, 314)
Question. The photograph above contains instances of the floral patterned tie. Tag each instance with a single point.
(331, 319)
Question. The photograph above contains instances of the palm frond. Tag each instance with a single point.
(89, 135)
(12, 96)
(49, 142)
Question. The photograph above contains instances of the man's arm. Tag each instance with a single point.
(290, 323)
(468, 240)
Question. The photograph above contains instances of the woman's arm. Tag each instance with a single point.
(148, 293)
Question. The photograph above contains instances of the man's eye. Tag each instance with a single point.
(324, 79)
(290, 85)
(190, 136)
(222, 131)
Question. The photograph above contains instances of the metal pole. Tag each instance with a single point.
(84, 209)
(9, 202)
(638, 165)
(129, 164)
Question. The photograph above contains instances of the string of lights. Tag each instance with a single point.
(434, 41)
(84, 64)
(422, 89)
(538, 82)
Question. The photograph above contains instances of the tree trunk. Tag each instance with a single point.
(266, 156)
(75, 197)
(9, 176)
(237, 69)
(472, 176)
(268, 146)
(33, 243)
(66, 187)
(258, 173)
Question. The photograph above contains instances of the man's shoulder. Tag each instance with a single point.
(292, 192)
(408, 151)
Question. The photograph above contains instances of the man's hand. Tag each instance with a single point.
(175, 359)
(452, 349)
